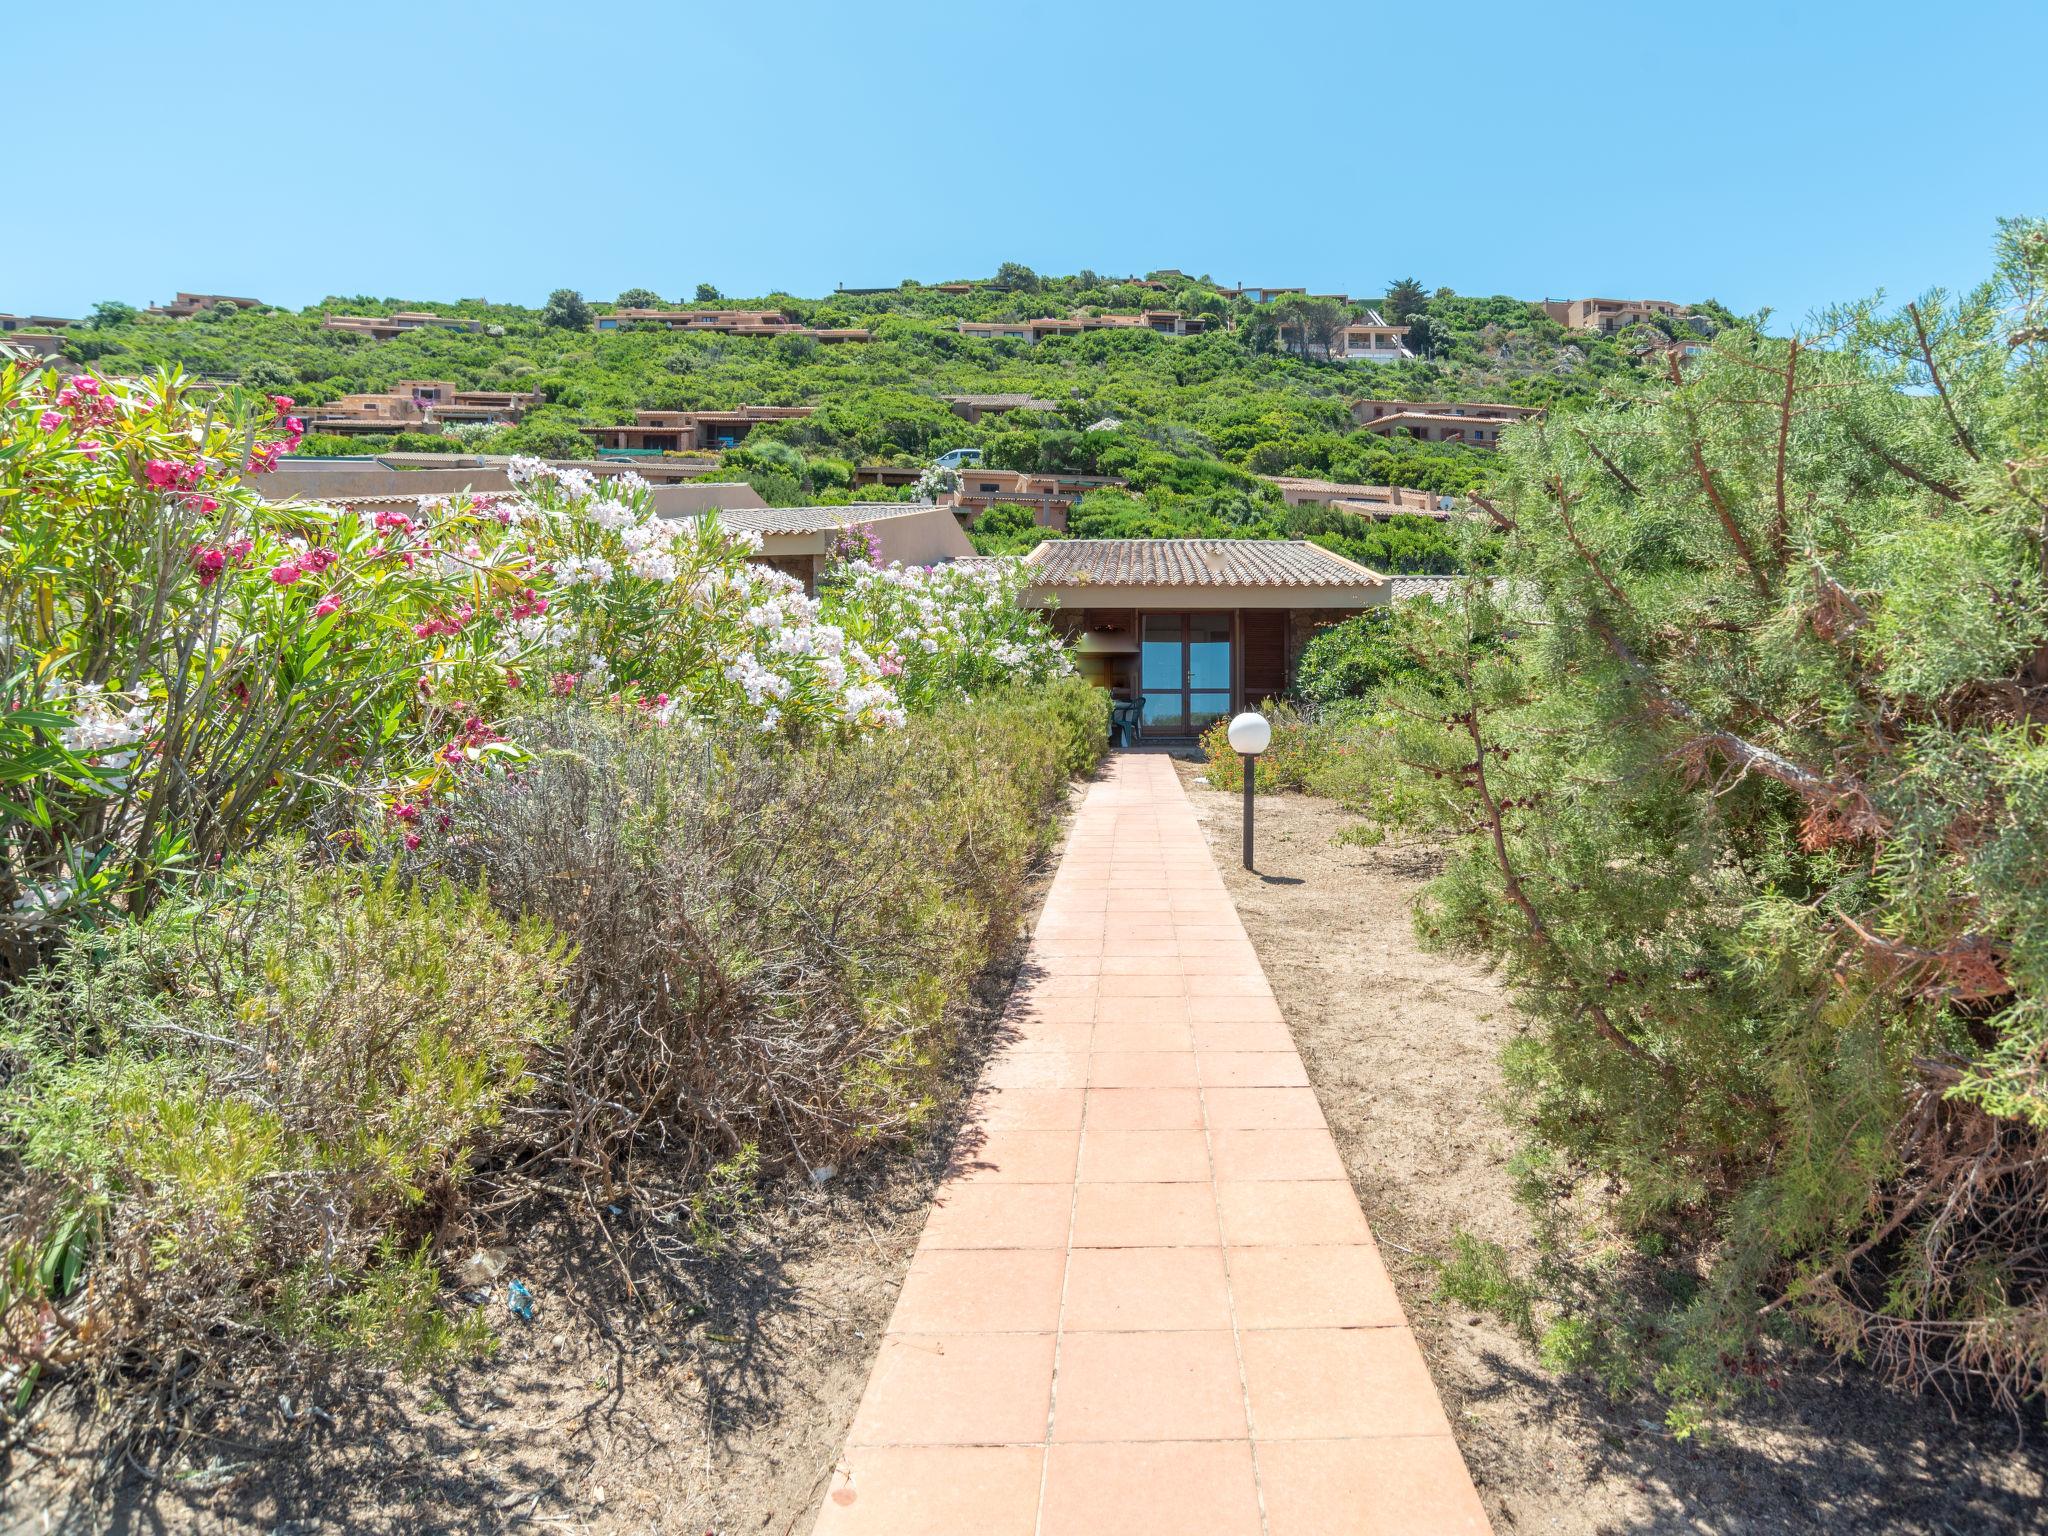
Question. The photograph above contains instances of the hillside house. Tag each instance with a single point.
(1191, 631)
(189, 304)
(1165, 322)
(725, 322)
(1610, 315)
(9, 324)
(971, 408)
(1479, 422)
(1367, 339)
(384, 327)
(799, 541)
(1050, 497)
(414, 403)
(668, 431)
(1373, 501)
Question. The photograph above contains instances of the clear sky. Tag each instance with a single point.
(1787, 154)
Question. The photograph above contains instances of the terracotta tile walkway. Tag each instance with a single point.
(1146, 1300)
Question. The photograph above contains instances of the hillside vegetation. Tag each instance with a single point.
(1200, 417)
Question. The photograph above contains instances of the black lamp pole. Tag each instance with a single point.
(1251, 779)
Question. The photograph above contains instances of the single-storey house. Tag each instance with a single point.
(800, 540)
(1193, 630)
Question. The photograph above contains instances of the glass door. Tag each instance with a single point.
(1184, 672)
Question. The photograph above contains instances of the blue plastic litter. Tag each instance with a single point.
(520, 1300)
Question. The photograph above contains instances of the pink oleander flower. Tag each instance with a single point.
(86, 384)
(239, 550)
(52, 421)
(201, 504)
(283, 403)
(513, 680)
(284, 575)
(207, 562)
(317, 560)
(564, 684)
(67, 396)
(407, 812)
(327, 605)
(90, 447)
(412, 841)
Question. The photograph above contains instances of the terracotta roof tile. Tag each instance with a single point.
(1193, 563)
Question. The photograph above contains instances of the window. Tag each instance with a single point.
(1184, 667)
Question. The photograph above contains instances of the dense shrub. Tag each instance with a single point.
(768, 939)
(251, 1114)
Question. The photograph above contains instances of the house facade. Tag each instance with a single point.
(1164, 322)
(1479, 422)
(971, 408)
(412, 403)
(725, 322)
(384, 327)
(686, 431)
(1050, 497)
(1191, 631)
(189, 304)
(800, 541)
(1367, 339)
(1373, 501)
(1610, 315)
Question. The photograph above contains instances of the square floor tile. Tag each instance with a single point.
(1313, 1287)
(960, 1290)
(999, 1216)
(1144, 1157)
(1399, 1485)
(1225, 1035)
(1232, 1010)
(1145, 1216)
(1158, 984)
(934, 1490)
(966, 1389)
(1030, 1037)
(1161, 1489)
(1140, 1010)
(1260, 1155)
(1262, 1109)
(1141, 1069)
(1169, 1036)
(1148, 1386)
(1028, 1109)
(1277, 1214)
(1140, 965)
(1014, 1157)
(1339, 1383)
(1146, 1289)
(1143, 1109)
(1037, 1069)
(1251, 1069)
(1078, 1009)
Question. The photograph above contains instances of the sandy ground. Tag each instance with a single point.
(1401, 1047)
(707, 1396)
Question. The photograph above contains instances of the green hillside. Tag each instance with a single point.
(1199, 417)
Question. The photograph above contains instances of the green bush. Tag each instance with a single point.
(769, 937)
(251, 1112)
(1300, 752)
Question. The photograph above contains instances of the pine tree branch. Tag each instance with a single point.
(1900, 467)
(1563, 498)
(1511, 881)
(1820, 793)
(1728, 524)
(1940, 388)
(1781, 524)
(1620, 476)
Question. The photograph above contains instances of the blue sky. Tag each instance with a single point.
(1780, 155)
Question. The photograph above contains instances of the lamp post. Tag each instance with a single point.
(1250, 734)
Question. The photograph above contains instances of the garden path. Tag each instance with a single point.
(1146, 1299)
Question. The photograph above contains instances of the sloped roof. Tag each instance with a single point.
(817, 519)
(1002, 402)
(1193, 563)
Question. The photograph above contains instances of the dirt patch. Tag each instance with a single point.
(657, 1388)
(1402, 1048)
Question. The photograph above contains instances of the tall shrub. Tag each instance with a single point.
(1752, 806)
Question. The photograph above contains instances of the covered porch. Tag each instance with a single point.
(1187, 632)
